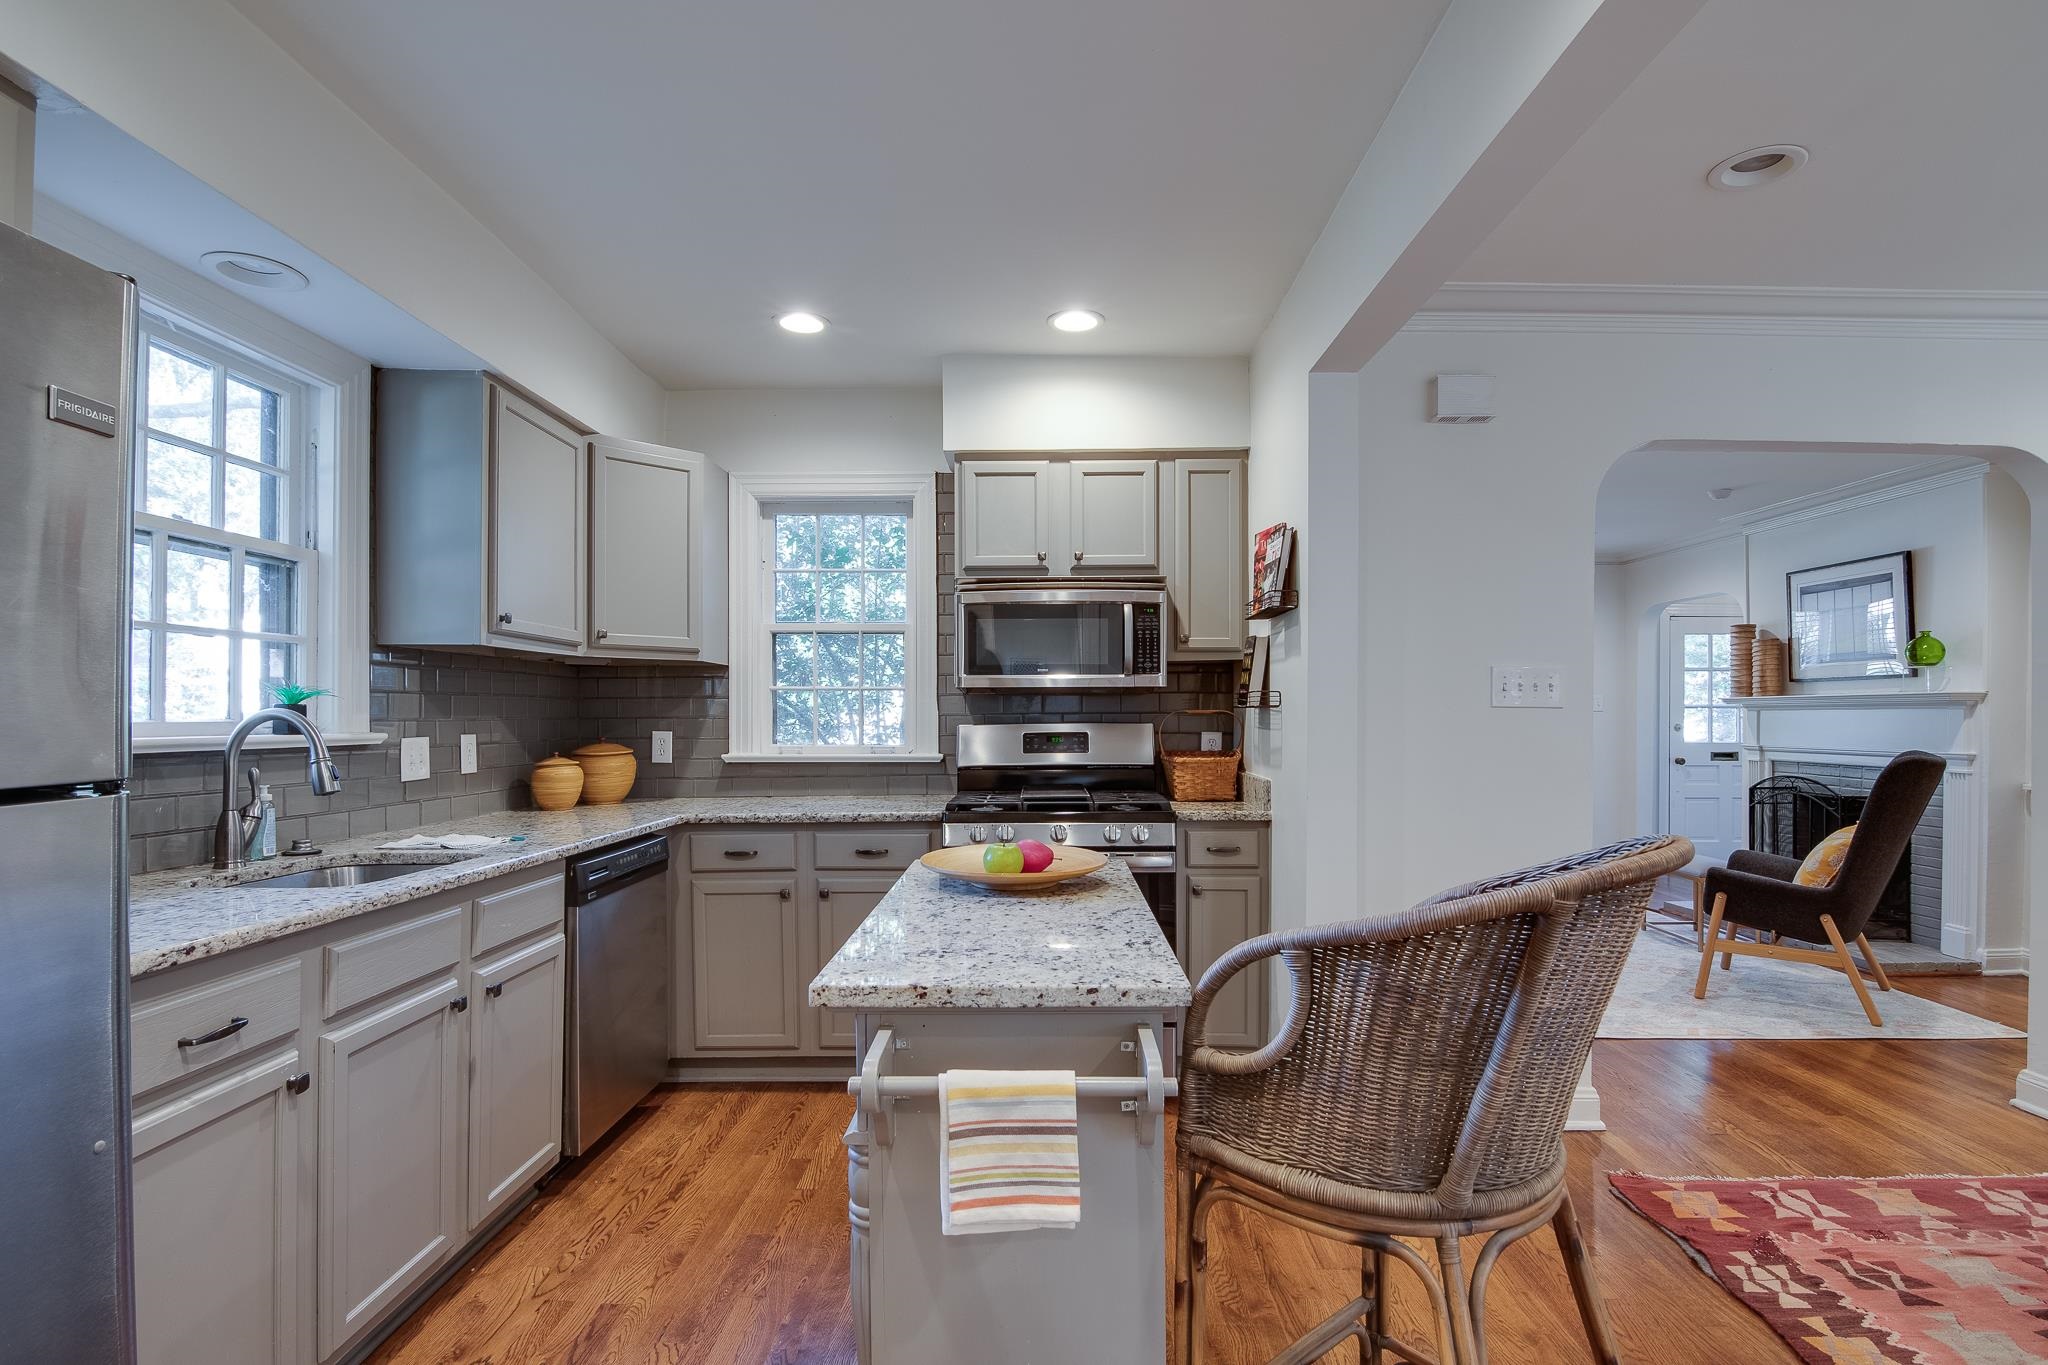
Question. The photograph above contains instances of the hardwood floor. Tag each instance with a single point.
(712, 1228)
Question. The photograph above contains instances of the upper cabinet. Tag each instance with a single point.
(1006, 518)
(1205, 577)
(498, 523)
(1113, 516)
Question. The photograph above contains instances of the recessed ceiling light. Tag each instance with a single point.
(1757, 166)
(1720, 494)
(251, 271)
(1076, 320)
(805, 324)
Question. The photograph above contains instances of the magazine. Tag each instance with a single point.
(1271, 550)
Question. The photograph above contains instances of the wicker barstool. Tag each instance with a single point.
(1418, 1089)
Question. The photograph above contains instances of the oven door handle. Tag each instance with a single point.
(1146, 862)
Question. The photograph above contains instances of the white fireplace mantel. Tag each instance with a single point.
(1807, 701)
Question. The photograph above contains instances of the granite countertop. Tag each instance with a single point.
(937, 943)
(1222, 812)
(194, 913)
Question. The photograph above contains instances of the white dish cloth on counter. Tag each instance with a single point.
(1009, 1156)
(448, 841)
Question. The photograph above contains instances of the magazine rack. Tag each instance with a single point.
(1267, 605)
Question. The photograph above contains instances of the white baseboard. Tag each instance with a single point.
(2005, 961)
(2031, 1093)
(1584, 1116)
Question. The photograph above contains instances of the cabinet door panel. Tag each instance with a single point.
(1005, 517)
(220, 1263)
(1113, 516)
(745, 966)
(648, 506)
(515, 1095)
(391, 1157)
(843, 902)
(1207, 582)
(1222, 912)
(538, 511)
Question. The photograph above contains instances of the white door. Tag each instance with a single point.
(1704, 801)
(515, 1087)
(220, 1260)
(1113, 516)
(538, 502)
(391, 1156)
(646, 509)
(1005, 517)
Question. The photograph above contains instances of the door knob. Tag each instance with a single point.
(1679, 761)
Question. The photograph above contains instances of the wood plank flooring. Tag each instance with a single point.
(712, 1228)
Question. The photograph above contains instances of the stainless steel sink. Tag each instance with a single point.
(343, 874)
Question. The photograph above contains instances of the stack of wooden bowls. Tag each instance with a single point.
(1742, 661)
(557, 782)
(1770, 674)
(607, 772)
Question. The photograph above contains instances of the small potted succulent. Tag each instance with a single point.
(291, 697)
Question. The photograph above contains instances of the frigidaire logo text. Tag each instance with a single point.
(83, 409)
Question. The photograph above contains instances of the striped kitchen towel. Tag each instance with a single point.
(1011, 1158)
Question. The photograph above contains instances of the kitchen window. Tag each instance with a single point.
(834, 655)
(224, 573)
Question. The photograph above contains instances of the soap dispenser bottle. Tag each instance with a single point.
(264, 846)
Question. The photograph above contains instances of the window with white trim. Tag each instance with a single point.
(224, 569)
(834, 648)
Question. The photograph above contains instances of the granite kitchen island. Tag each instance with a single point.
(944, 975)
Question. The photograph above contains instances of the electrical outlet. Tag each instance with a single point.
(1212, 741)
(664, 746)
(469, 753)
(412, 759)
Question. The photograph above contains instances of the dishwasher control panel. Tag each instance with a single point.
(591, 875)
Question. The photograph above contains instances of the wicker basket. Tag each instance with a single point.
(1192, 775)
(557, 782)
(1742, 661)
(607, 772)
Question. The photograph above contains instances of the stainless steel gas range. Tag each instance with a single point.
(1088, 786)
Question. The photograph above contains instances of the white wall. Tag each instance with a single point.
(1614, 709)
(200, 84)
(17, 156)
(789, 430)
(1024, 402)
(2009, 684)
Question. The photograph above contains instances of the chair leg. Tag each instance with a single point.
(1464, 1342)
(1884, 983)
(1579, 1266)
(1849, 970)
(1198, 1280)
(1372, 1275)
(1183, 1296)
(1699, 910)
(1699, 988)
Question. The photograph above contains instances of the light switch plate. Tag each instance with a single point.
(412, 759)
(664, 746)
(469, 753)
(1521, 686)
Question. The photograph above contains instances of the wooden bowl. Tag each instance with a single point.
(557, 782)
(607, 772)
(963, 862)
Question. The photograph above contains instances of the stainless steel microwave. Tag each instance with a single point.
(1037, 635)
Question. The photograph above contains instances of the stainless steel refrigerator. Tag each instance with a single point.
(67, 334)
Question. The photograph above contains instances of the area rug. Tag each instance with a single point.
(1765, 999)
(1920, 1270)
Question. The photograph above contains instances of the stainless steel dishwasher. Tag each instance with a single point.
(618, 986)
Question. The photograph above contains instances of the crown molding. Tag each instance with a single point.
(1737, 310)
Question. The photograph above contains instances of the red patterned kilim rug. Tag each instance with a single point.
(1922, 1270)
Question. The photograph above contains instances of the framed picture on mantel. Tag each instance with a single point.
(1852, 620)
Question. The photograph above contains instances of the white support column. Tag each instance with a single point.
(1964, 855)
(1584, 1115)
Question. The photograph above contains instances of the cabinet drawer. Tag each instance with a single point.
(742, 852)
(366, 966)
(1222, 847)
(850, 849)
(166, 1033)
(506, 916)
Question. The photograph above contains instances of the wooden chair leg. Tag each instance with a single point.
(1198, 1280)
(1827, 922)
(1579, 1267)
(1884, 983)
(1699, 987)
(1183, 1241)
(1464, 1344)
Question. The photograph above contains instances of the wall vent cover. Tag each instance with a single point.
(1462, 398)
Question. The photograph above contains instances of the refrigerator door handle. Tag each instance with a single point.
(227, 1030)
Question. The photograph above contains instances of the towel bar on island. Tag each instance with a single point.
(1144, 1096)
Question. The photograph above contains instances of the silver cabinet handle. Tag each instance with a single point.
(1077, 556)
(604, 635)
(783, 892)
(743, 853)
(871, 853)
(459, 1003)
(1183, 637)
(1194, 888)
(299, 1084)
(1221, 850)
(824, 893)
(227, 1030)
(504, 618)
(1041, 556)
(495, 990)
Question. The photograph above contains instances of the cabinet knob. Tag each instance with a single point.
(604, 635)
(1077, 556)
(298, 1084)
(504, 618)
(1183, 637)
(495, 989)
(783, 892)
(824, 893)
(1194, 889)
(459, 1003)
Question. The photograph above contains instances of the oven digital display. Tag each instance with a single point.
(1056, 742)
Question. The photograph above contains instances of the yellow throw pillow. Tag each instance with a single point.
(1824, 863)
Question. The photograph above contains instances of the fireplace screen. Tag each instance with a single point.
(1789, 815)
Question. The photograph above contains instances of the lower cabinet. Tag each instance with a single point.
(515, 1084)
(221, 1256)
(843, 902)
(744, 962)
(391, 1155)
(1222, 911)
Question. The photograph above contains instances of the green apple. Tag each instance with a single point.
(1002, 859)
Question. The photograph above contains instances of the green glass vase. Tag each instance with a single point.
(1925, 651)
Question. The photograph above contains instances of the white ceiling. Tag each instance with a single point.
(935, 178)
(88, 165)
(1657, 498)
(1924, 121)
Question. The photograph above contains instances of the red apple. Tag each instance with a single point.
(1037, 856)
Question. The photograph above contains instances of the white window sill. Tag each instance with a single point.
(212, 744)
(833, 758)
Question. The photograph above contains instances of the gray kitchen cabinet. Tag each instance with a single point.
(842, 903)
(1113, 517)
(657, 552)
(745, 963)
(1222, 910)
(538, 524)
(1008, 520)
(515, 1085)
(1206, 567)
(391, 1156)
(222, 1259)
